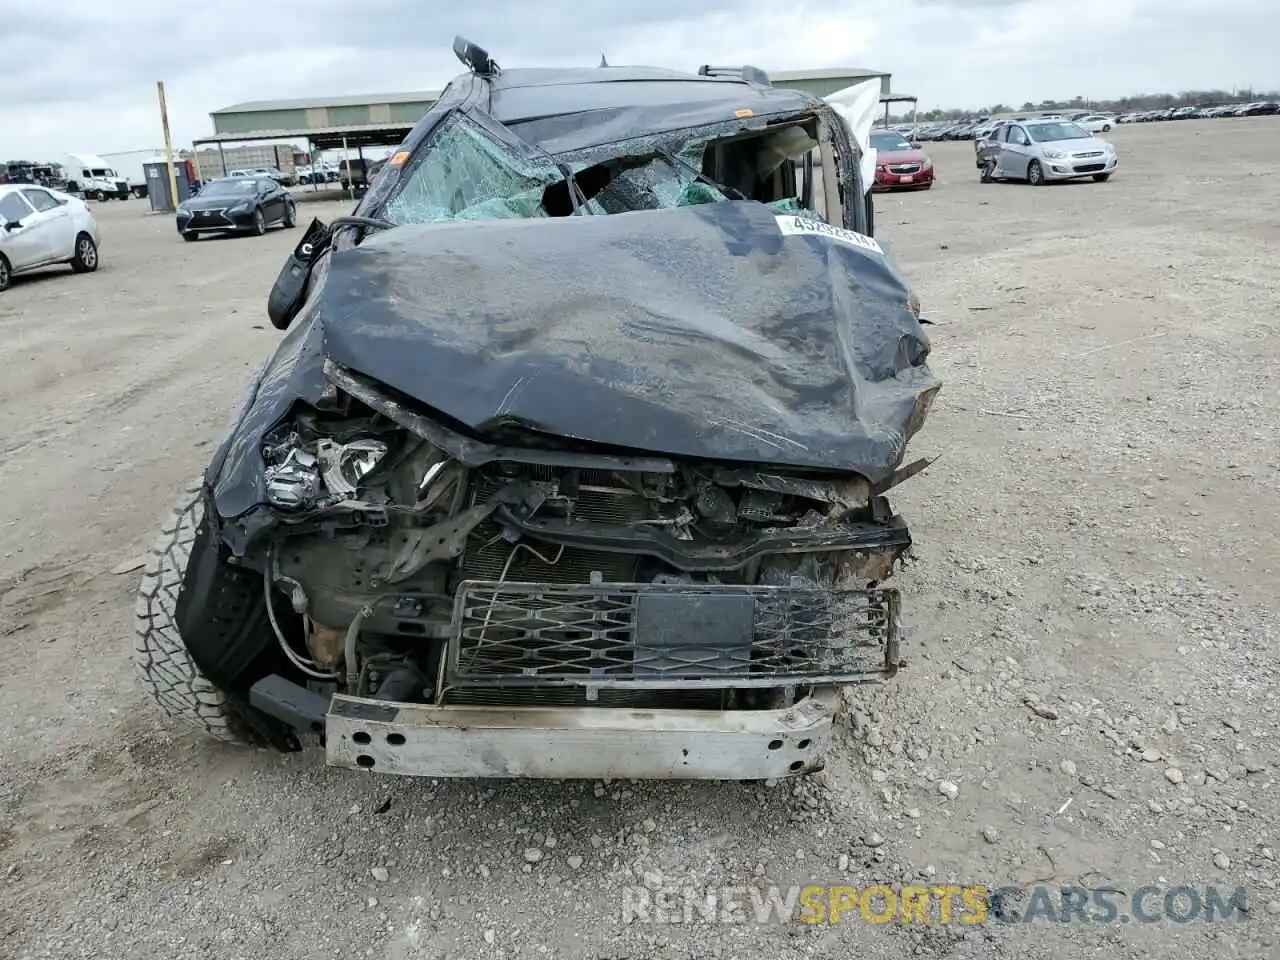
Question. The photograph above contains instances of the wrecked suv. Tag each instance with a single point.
(573, 459)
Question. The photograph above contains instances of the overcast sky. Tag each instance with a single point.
(79, 75)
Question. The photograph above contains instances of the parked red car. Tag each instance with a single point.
(900, 165)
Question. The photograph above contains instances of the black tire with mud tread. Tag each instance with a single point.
(161, 657)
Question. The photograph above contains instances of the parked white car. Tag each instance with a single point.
(42, 228)
(1042, 151)
(1097, 123)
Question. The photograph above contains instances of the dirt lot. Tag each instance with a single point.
(1091, 695)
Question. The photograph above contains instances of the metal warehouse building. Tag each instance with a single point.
(383, 120)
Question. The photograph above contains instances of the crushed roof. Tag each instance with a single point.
(548, 76)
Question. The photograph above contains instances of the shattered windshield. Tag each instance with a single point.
(467, 171)
(467, 175)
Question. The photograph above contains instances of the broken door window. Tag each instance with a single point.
(644, 183)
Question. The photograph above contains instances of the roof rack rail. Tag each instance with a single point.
(745, 72)
(475, 58)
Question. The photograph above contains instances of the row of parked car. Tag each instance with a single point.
(1258, 108)
(975, 127)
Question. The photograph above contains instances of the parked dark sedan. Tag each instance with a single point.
(236, 205)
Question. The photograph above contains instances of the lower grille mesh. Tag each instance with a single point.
(677, 636)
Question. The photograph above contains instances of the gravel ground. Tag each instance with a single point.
(1090, 697)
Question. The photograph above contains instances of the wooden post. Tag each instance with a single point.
(168, 146)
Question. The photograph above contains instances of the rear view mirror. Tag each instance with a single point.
(13, 225)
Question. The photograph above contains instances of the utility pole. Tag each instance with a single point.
(168, 145)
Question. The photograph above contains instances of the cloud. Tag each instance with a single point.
(80, 75)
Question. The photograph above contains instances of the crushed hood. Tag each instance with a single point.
(724, 332)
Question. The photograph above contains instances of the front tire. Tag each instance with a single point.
(1101, 177)
(6, 273)
(160, 656)
(1035, 174)
(190, 236)
(259, 227)
(988, 173)
(86, 256)
(290, 216)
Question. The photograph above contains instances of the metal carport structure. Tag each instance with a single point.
(891, 98)
(326, 123)
(317, 138)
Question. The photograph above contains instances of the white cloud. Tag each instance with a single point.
(80, 75)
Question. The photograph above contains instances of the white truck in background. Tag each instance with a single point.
(92, 177)
(129, 167)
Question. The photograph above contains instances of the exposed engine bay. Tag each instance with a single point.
(399, 572)
(572, 460)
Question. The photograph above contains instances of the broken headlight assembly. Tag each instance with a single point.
(301, 475)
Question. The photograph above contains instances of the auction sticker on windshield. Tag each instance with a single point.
(792, 226)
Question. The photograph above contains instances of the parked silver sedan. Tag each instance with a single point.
(1040, 151)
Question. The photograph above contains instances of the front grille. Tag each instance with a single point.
(1091, 153)
(905, 168)
(488, 556)
(1089, 167)
(668, 635)
(209, 218)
